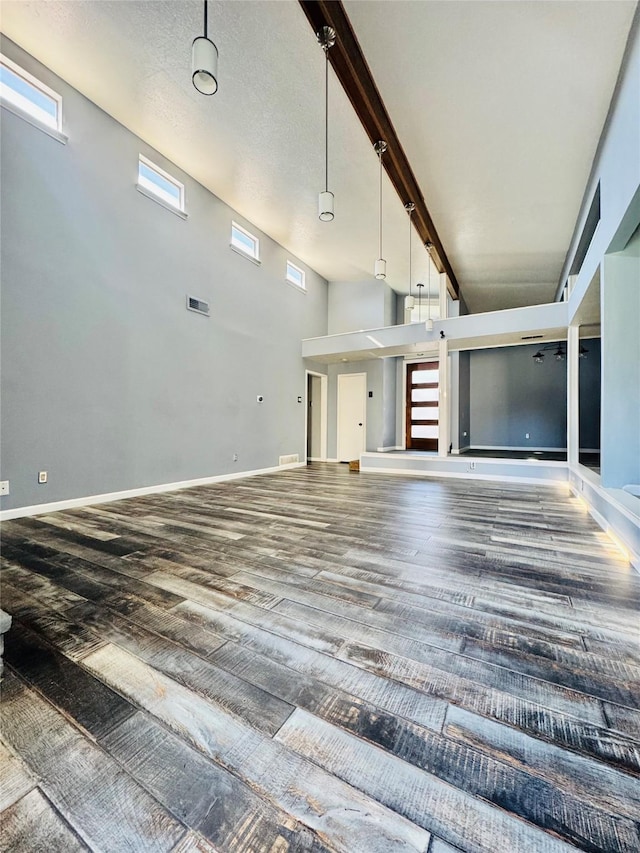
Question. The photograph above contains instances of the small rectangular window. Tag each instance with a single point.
(160, 184)
(295, 275)
(245, 242)
(20, 89)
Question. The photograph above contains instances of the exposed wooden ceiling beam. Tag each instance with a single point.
(350, 66)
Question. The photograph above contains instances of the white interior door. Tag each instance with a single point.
(352, 409)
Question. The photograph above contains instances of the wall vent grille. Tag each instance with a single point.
(197, 305)
(290, 459)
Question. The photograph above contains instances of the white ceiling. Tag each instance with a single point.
(498, 105)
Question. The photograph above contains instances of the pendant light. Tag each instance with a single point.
(419, 285)
(429, 323)
(381, 265)
(204, 62)
(409, 300)
(326, 38)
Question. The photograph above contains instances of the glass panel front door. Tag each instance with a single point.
(422, 406)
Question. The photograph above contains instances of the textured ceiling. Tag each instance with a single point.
(499, 107)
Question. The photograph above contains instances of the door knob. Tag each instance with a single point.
(359, 424)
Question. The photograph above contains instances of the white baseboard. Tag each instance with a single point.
(387, 449)
(513, 447)
(56, 506)
(623, 522)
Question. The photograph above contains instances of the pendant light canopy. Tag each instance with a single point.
(380, 269)
(429, 323)
(326, 38)
(204, 62)
(409, 300)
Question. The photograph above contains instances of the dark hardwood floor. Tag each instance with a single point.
(319, 660)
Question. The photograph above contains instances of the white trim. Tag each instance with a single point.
(364, 416)
(609, 529)
(295, 267)
(387, 449)
(433, 456)
(253, 256)
(56, 506)
(157, 193)
(38, 85)
(53, 132)
(324, 387)
(475, 475)
(246, 255)
(524, 447)
(170, 207)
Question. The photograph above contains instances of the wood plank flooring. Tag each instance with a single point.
(319, 660)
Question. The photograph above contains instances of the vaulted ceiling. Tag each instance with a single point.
(499, 107)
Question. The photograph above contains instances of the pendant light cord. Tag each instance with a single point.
(326, 118)
(205, 18)
(410, 212)
(429, 287)
(380, 219)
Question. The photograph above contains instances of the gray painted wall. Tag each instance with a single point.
(389, 372)
(355, 305)
(375, 404)
(621, 367)
(108, 382)
(511, 395)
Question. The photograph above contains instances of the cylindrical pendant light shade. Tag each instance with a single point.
(325, 206)
(429, 325)
(381, 268)
(204, 57)
(409, 303)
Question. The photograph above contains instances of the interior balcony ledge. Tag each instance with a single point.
(532, 324)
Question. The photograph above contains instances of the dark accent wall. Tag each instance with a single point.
(511, 395)
(589, 395)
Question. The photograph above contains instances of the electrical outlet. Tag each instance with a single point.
(42, 477)
(4, 487)
(235, 457)
(526, 435)
(472, 466)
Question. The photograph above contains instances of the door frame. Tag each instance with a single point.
(364, 416)
(323, 415)
(426, 356)
(434, 363)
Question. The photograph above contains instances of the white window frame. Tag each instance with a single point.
(148, 189)
(240, 248)
(300, 285)
(23, 108)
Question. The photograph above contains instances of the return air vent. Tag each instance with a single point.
(290, 459)
(198, 305)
